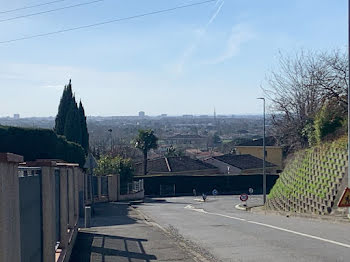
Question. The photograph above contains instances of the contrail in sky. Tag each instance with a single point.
(216, 13)
(189, 51)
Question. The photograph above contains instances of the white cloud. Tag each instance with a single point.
(37, 88)
(240, 34)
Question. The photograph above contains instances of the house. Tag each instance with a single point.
(181, 175)
(176, 175)
(274, 153)
(175, 166)
(241, 165)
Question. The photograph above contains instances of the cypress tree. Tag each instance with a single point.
(71, 120)
(66, 100)
(84, 129)
(72, 127)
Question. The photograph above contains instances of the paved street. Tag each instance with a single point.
(233, 235)
(120, 234)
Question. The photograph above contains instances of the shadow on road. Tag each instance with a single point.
(111, 214)
(97, 244)
(157, 200)
(99, 248)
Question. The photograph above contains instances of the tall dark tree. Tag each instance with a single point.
(84, 129)
(66, 100)
(72, 127)
(71, 119)
(145, 141)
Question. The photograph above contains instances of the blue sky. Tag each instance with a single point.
(183, 62)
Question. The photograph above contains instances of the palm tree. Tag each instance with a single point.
(145, 141)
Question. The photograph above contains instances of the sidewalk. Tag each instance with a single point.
(119, 233)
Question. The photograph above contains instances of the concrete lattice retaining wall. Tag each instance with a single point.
(311, 180)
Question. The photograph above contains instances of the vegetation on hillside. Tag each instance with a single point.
(311, 173)
(308, 97)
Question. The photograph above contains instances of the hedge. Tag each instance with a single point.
(35, 143)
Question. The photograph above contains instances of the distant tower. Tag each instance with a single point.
(215, 117)
(142, 114)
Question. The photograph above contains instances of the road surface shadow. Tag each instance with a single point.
(161, 201)
(100, 248)
(111, 214)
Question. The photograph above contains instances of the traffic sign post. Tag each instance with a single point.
(244, 197)
(345, 198)
(251, 191)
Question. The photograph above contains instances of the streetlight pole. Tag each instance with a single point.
(349, 100)
(264, 154)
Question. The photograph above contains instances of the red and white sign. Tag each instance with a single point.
(345, 198)
(243, 197)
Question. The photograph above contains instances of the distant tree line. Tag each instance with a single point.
(308, 97)
(71, 120)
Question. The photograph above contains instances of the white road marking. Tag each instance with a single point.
(269, 226)
(196, 209)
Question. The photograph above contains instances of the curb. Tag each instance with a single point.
(136, 202)
(332, 219)
(240, 207)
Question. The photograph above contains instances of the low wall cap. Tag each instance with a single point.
(10, 158)
(41, 163)
(63, 164)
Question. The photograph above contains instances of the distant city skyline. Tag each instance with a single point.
(19, 116)
(187, 61)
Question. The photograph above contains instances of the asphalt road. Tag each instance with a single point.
(233, 235)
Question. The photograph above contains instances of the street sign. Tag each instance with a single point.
(90, 162)
(243, 197)
(345, 198)
(251, 190)
(215, 192)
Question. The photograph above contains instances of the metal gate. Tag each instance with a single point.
(94, 186)
(89, 186)
(30, 214)
(104, 186)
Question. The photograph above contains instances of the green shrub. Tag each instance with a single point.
(327, 121)
(108, 165)
(34, 143)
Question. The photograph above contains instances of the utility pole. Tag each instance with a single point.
(264, 153)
